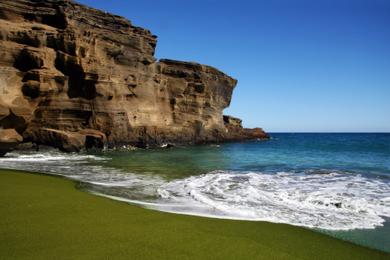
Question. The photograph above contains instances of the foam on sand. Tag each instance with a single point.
(335, 201)
(317, 199)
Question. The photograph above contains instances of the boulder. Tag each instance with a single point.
(9, 139)
(63, 140)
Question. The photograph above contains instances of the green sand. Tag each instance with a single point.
(45, 217)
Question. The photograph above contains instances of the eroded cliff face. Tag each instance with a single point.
(72, 76)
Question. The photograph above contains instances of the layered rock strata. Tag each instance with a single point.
(74, 77)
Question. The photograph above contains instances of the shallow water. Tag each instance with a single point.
(335, 183)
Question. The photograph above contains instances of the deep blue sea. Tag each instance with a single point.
(335, 183)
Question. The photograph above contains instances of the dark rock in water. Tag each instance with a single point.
(9, 139)
(337, 204)
(167, 146)
(68, 70)
(255, 133)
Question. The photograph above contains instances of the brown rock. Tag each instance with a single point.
(9, 139)
(236, 132)
(94, 138)
(66, 69)
(232, 121)
(255, 133)
(63, 140)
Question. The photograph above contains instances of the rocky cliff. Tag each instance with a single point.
(74, 77)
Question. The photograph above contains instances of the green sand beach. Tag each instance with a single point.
(46, 217)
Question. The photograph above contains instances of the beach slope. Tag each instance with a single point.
(44, 217)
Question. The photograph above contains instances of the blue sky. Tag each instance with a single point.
(314, 66)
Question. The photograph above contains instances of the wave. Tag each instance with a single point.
(335, 201)
(315, 199)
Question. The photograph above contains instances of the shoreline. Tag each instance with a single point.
(61, 217)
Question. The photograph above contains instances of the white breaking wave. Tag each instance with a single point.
(82, 168)
(333, 201)
(52, 156)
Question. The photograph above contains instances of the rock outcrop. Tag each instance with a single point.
(236, 132)
(9, 139)
(74, 77)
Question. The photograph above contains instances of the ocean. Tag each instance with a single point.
(334, 183)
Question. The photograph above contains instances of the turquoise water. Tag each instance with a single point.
(361, 153)
(338, 184)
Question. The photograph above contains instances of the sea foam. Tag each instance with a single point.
(316, 199)
(335, 201)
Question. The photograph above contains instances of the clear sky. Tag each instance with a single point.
(318, 65)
